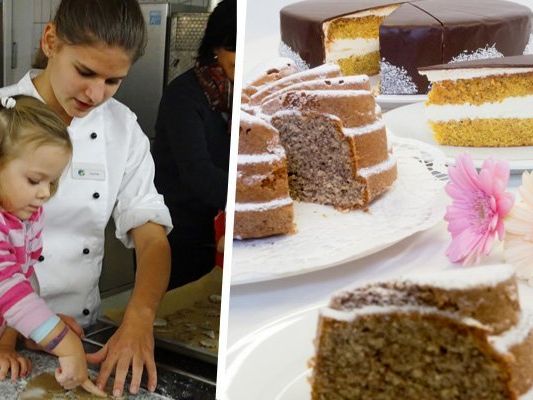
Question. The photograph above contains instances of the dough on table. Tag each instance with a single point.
(45, 387)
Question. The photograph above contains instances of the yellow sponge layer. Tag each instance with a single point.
(367, 64)
(481, 90)
(350, 28)
(484, 132)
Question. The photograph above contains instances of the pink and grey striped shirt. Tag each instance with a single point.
(20, 247)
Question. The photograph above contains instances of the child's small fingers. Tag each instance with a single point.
(23, 361)
(4, 368)
(15, 369)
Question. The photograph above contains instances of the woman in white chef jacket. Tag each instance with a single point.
(90, 46)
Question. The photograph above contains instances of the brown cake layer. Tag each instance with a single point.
(274, 102)
(407, 355)
(370, 148)
(257, 224)
(261, 182)
(322, 72)
(270, 74)
(256, 136)
(494, 306)
(353, 107)
(522, 365)
(378, 183)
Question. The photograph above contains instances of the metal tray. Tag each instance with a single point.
(173, 346)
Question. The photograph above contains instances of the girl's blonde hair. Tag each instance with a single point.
(28, 125)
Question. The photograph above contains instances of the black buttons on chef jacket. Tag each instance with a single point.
(96, 195)
(85, 312)
(94, 135)
(41, 258)
(86, 251)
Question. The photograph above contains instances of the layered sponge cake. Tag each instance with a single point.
(330, 131)
(482, 103)
(352, 41)
(458, 334)
(395, 37)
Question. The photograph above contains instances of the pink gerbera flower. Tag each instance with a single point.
(479, 205)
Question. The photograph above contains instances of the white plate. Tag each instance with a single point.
(326, 237)
(410, 122)
(390, 101)
(272, 363)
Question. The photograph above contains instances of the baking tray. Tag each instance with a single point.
(174, 300)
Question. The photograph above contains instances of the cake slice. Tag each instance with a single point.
(457, 334)
(482, 102)
(262, 203)
(336, 147)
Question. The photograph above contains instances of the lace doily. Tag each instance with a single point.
(326, 237)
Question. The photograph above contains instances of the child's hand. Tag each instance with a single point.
(73, 366)
(10, 360)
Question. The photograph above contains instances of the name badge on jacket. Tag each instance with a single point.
(87, 171)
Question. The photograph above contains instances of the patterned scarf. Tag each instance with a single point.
(217, 88)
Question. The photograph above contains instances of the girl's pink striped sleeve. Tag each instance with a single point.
(20, 306)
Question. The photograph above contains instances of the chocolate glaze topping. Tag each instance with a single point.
(525, 61)
(419, 33)
(301, 23)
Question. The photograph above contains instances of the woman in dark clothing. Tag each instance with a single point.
(192, 144)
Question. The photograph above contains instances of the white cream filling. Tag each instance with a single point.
(512, 107)
(345, 48)
(378, 168)
(269, 205)
(470, 73)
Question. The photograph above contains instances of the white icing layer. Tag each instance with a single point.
(334, 93)
(463, 278)
(345, 48)
(362, 130)
(516, 335)
(378, 168)
(254, 120)
(352, 315)
(512, 107)
(270, 205)
(470, 73)
(277, 154)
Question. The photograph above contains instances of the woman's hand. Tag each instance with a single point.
(131, 345)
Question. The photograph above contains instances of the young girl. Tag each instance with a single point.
(34, 150)
(89, 47)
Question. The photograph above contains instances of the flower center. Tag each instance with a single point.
(484, 213)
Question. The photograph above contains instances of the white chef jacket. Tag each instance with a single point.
(111, 173)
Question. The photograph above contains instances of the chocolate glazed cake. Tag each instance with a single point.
(411, 34)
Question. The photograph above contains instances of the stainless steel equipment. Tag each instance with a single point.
(187, 30)
(175, 370)
(174, 32)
